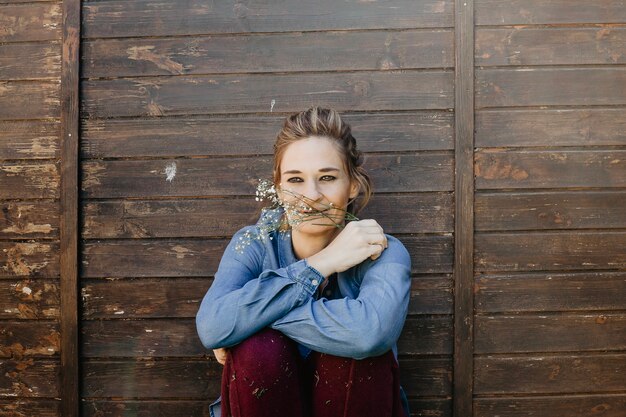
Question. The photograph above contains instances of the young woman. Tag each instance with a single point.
(305, 320)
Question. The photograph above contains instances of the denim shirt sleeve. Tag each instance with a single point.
(368, 325)
(244, 298)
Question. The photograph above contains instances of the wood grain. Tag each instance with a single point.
(29, 259)
(580, 250)
(519, 12)
(426, 377)
(120, 18)
(30, 60)
(550, 46)
(184, 95)
(30, 407)
(29, 378)
(29, 180)
(432, 295)
(565, 86)
(29, 299)
(268, 53)
(550, 332)
(550, 210)
(584, 292)
(30, 22)
(552, 406)
(529, 169)
(29, 139)
(562, 127)
(553, 374)
(29, 100)
(22, 220)
(245, 135)
(29, 338)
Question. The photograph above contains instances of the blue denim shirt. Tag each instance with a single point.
(359, 314)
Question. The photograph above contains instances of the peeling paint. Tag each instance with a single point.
(170, 171)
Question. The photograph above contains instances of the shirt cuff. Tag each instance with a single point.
(304, 274)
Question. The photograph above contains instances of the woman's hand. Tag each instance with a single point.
(220, 355)
(358, 241)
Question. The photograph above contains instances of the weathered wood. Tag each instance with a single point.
(567, 251)
(268, 53)
(440, 407)
(201, 135)
(550, 332)
(30, 60)
(550, 210)
(29, 338)
(553, 406)
(185, 379)
(29, 378)
(518, 12)
(29, 219)
(30, 407)
(586, 291)
(427, 335)
(464, 101)
(553, 46)
(121, 18)
(550, 87)
(29, 99)
(200, 257)
(29, 299)
(253, 93)
(562, 127)
(239, 176)
(558, 374)
(402, 213)
(497, 169)
(29, 259)
(29, 180)
(432, 295)
(30, 22)
(160, 408)
(426, 377)
(29, 139)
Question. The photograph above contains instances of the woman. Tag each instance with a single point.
(305, 320)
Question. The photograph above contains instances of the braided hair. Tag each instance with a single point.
(323, 122)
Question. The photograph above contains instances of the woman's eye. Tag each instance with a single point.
(328, 178)
(294, 179)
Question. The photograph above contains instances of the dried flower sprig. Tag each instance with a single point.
(300, 209)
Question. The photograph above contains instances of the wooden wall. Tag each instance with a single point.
(30, 71)
(180, 102)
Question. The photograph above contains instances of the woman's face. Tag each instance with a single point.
(314, 169)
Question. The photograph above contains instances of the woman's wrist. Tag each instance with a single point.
(321, 264)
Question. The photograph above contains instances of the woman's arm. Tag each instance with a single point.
(363, 327)
(244, 298)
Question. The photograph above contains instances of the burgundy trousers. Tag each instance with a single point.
(266, 376)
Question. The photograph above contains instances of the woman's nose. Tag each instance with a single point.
(312, 191)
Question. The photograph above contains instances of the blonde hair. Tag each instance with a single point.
(327, 123)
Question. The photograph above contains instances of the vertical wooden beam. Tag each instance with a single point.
(464, 209)
(69, 208)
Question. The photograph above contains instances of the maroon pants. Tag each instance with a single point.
(265, 376)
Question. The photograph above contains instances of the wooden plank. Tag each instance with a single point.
(120, 18)
(426, 377)
(440, 407)
(612, 405)
(427, 335)
(254, 93)
(497, 169)
(550, 46)
(516, 12)
(29, 180)
(188, 379)
(30, 60)
(29, 378)
(268, 53)
(29, 259)
(550, 87)
(29, 299)
(464, 104)
(432, 295)
(29, 219)
(29, 139)
(236, 176)
(585, 291)
(554, 374)
(29, 99)
(29, 338)
(550, 210)
(214, 136)
(561, 127)
(404, 213)
(568, 250)
(200, 257)
(550, 332)
(30, 22)
(30, 407)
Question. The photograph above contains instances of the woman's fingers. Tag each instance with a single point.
(220, 355)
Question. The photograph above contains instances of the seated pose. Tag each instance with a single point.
(307, 305)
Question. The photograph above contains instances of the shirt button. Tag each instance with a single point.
(315, 282)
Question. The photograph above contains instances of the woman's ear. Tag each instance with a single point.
(355, 187)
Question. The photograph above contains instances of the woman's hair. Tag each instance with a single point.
(326, 123)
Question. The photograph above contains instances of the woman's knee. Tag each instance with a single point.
(268, 350)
